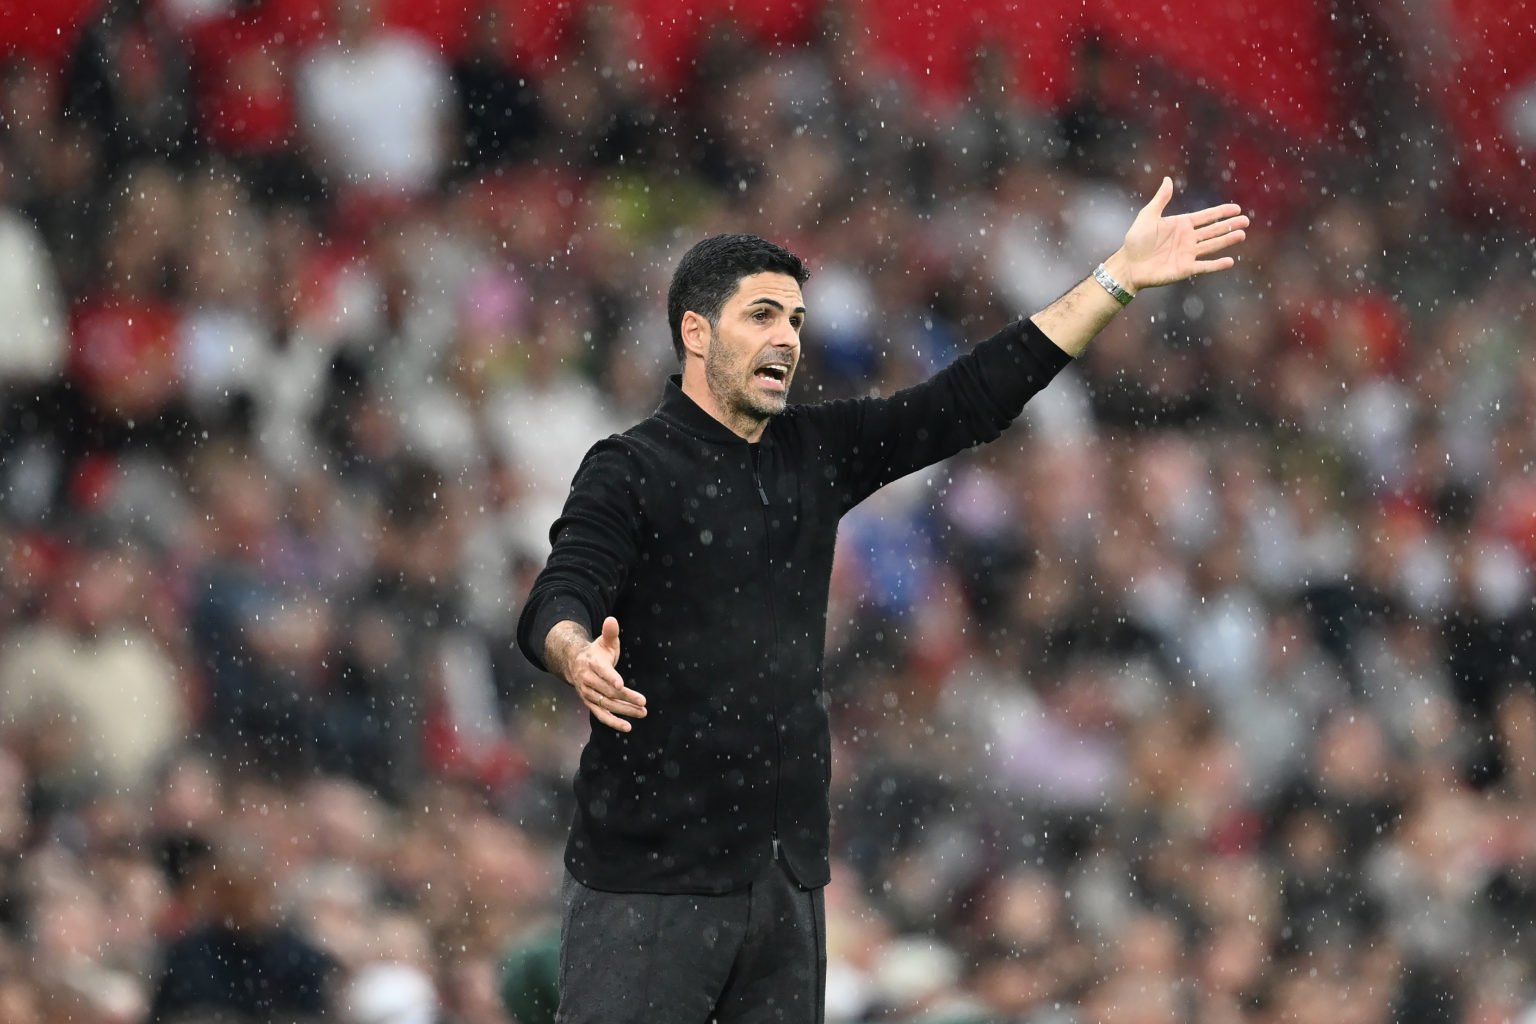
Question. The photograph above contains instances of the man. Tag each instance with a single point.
(706, 531)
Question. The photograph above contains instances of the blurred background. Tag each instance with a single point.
(1205, 695)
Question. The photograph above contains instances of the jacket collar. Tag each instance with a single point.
(683, 412)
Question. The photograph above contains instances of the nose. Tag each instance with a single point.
(787, 338)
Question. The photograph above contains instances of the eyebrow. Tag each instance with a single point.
(775, 303)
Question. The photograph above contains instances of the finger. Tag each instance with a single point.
(609, 719)
(610, 635)
(614, 696)
(613, 689)
(628, 710)
(1212, 214)
(1159, 201)
(1220, 228)
(613, 705)
(1211, 266)
(617, 705)
(1220, 242)
(602, 680)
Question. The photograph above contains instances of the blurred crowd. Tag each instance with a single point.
(1205, 695)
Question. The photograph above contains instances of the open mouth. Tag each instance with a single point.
(775, 375)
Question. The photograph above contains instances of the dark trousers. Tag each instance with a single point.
(753, 956)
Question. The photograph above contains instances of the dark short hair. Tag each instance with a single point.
(710, 272)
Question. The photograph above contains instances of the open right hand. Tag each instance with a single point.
(593, 671)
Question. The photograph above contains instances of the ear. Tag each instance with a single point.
(696, 334)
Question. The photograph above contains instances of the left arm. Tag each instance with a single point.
(1158, 250)
(872, 441)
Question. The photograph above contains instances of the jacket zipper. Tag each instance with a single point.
(773, 617)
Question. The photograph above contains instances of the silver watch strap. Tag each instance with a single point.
(1115, 288)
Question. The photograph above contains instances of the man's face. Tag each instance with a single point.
(755, 349)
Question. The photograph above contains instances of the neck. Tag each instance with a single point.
(743, 425)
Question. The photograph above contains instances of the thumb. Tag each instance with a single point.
(1160, 201)
(610, 635)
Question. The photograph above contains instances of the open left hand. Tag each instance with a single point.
(1161, 250)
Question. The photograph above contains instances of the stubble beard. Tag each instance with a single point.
(731, 384)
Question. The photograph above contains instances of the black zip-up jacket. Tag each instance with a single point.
(715, 557)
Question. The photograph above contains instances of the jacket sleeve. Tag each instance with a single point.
(593, 545)
(873, 441)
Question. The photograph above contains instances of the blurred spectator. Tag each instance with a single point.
(375, 104)
(90, 738)
(546, 418)
(237, 958)
(245, 61)
(32, 338)
(124, 366)
(129, 82)
(223, 342)
(500, 113)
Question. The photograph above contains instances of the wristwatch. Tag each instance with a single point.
(1115, 288)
